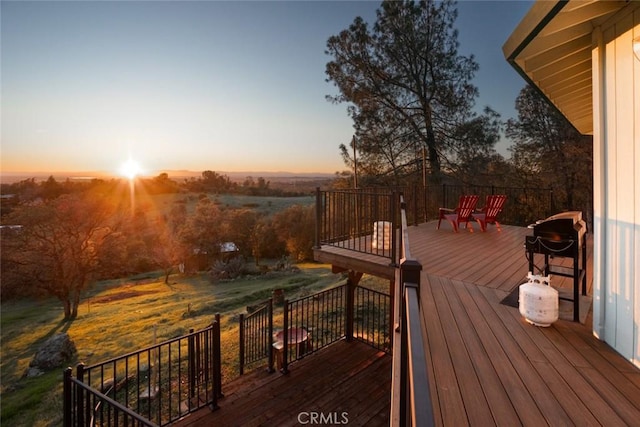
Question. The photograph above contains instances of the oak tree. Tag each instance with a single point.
(59, 246)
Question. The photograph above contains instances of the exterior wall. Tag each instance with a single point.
(616, 97)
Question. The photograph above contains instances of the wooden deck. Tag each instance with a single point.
(378, 264)
(488, 366)
(346, 377)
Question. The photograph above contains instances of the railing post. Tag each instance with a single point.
(79, 405)
(242, 332)
(318, 218)
(192, 363)
(350, 312)
(425, 208)
(410, 272)
(395, 200)
(285, 338)
(67, 405)
(415, 204)
(217, 361)
(270, 339)
(402, 214)
(209, 366)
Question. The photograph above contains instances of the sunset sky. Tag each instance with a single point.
(224, 86)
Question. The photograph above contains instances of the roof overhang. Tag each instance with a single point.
(551, 48)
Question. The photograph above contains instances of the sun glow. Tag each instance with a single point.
(130, 169)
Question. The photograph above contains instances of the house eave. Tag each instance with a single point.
(555, 36)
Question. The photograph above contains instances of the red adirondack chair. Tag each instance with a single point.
(491, 209)
(462, 213)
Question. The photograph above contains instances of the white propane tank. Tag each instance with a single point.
(381, 235)
(538, 300)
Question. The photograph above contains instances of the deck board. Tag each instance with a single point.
(262, 399)
(527, 375)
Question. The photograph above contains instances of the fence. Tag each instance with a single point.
(523, 207)
(367, 220)
(321, 316)
(347, 219)
(153, 386)
(256, 335)
(346, 311)
(372, 318)
(95, 408)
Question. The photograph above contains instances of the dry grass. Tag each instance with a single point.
(121, 316)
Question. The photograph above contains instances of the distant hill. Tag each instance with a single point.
(240, 176)
(11, 177)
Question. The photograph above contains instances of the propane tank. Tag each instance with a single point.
(538, 301)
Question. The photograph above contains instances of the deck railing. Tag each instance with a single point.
(372, 318)
(346, 218)
(344, 312)
(411, 400)
(324, 318)
(359, 220)
(256, 336)
(524, 205)
(96, 408)
(158, 384)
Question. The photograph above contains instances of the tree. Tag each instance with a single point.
(473, 158)
(550, 151)
(265, 242)
(203, 230)
(58, 248)
(213, 181)
(167, 250)
(161, 184)
(407, 86)
(296, 226)
(239, 227)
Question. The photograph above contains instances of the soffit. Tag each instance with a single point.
(551, 48)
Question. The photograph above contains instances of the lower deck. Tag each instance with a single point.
(344, 383)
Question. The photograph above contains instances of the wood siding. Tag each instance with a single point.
(617, 189)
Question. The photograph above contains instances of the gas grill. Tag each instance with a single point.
(561, 236)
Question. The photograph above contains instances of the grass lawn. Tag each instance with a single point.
(121, 316)
(162, 203)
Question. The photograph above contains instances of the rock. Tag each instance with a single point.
(33, 372)
(54, 352)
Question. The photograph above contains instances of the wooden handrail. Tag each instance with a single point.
(410, 395)
(419, 407)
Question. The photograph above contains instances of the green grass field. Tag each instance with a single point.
(261, 204)
(121, 316)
